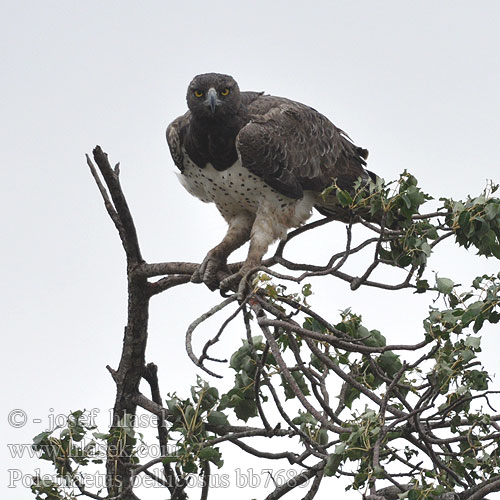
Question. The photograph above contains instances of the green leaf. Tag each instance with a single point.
(173, 406)
(316, 362)
(332, 464)
(344, 198)
(407, 200)
(467, 355)
(245, 409)
(491, 210)
(444, 285)
(313, 325)
(304, 418)
(351, 395)
(494, 317)
(495, 250)
(439, 490)
(478, 379)
(474, 342)
(390, 363)
(340, 448)
(472, 312)
(322, 437)
(426, 248)
(463, 219)
(217, 418)
(377, 338)
(211, 454)
(432, 233)
(422, 286)
(39, 438)
(301, 382)
(190, 468)
(238, 357)
(413, 495)
(478, 324)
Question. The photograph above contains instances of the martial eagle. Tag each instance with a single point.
(263, 160)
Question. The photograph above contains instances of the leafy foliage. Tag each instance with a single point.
(188, 421)
(476, 221)
(67, 451)
(415, 417)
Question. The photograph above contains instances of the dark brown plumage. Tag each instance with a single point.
(263, 160)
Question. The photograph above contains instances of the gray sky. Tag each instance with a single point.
(414, 82)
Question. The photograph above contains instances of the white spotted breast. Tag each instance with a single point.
(236, 190)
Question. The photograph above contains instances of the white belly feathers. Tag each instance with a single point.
(237, 190)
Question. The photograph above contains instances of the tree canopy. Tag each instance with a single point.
(326, 397)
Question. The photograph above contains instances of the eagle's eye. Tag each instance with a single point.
(198, 93)
(225, 92)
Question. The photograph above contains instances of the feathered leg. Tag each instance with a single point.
(216, 260)
(263, 233)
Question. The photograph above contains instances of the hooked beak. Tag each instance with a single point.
(212, 100)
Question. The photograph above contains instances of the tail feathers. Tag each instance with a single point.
(374, 177)
(329, 206)
(362, 152)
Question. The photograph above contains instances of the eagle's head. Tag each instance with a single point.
(212, 95)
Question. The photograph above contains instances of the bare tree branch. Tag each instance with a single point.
(305, 355)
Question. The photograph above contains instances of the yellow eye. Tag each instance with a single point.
(224, 92)
(198, 93)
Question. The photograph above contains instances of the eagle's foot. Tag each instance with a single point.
(208, 271)
(239, 282)
(231, 283)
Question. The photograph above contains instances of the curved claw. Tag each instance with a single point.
(230, 283)
(207, 272)
(238, 282)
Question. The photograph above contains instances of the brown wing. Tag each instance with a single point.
(295, 148)
(175, 139)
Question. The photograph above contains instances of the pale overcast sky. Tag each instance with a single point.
(414, 82)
